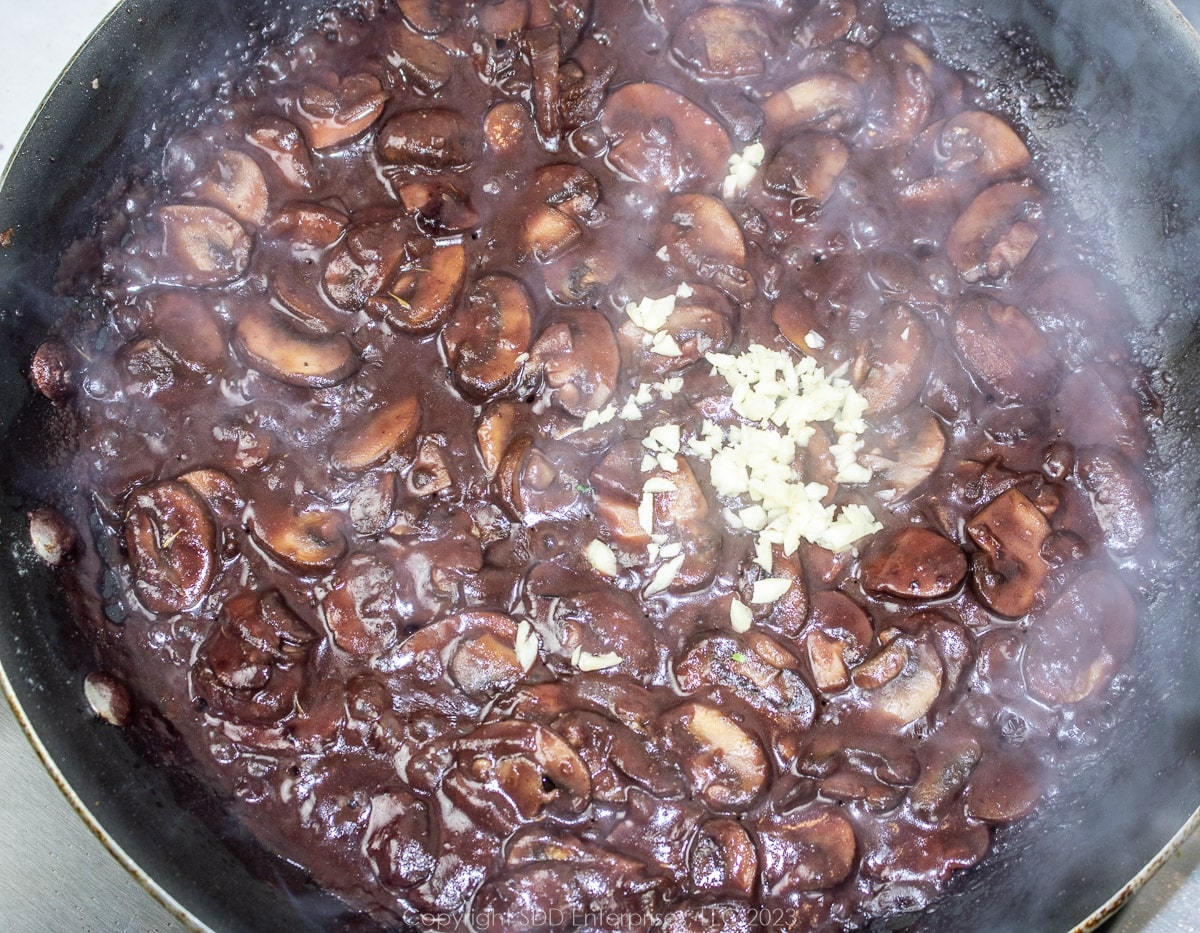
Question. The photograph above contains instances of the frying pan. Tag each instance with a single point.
(1109, 90)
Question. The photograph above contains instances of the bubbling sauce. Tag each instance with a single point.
(412, 427)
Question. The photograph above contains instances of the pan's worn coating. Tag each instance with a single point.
(1110, 91)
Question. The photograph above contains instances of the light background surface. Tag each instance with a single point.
(54, 875)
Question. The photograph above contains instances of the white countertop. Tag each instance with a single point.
(42, 841)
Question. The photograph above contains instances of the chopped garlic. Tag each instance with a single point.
(665, 576)
(684, 291)
(526, 646)
(740, 616)
(814, 341)
(658, 484)
(586, 661)
(743, 166)
(650, 314)
(770, 589)
(646, 513)
(666, 438)
(602, 558)
(630, 412)
(664, 345)
(669, 551)
(596, 418)
(649, 462)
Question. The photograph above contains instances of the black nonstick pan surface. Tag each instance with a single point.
(1109, 91)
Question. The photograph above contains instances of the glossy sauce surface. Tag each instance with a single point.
(339, 428)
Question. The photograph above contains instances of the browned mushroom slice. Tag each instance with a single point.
(366, 260)
(308, 541)
(752, 667)
(296, 289)
(425, 65)
(723, 860)
(901, 104)
(579, 359)
(1004, 350)
(902, 681)
(807, 168)
(723, 42)
(281, 351)
(486, 339)
(474, 651)
(811, 849)
(1076, 646)
(898, 355)
(52, 371)
(1120, 498)
(506, 127)
(529, 481)
(662, 139)
(397, 840)
(1006, 786)
(235, 184)
(171, 540)
(336, 111)
(997, 231)
(494, 432)
(617, 757)
(379, 435)
(426, 288)
(240, 680)
(913, 563)
(202, 245)
(218, 491)
(509, 773)
(825, 23)
(433, 140)
(188, 330)
(948, 763)
(306, 227)
(265, 621)
(430, 472)
(821, 101)
(1010, 531)
(701, 236)
(836, 639)
(547, 231)
(359, 608)
(284, 145)
(429, 17)
(725, 763)
(977, 143)
(903, 451)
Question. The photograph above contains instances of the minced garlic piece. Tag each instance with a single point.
(770, 589)
(586, 661)
(526, 646)
(602, 558)
(743, 166)
(740, 616)
(665, 576)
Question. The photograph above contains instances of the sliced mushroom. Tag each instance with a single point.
(171, 540)
(1004, 787)
(806, 168)
(1120, 498)
(188, 330)
(903, 452)
(949, 762)
(618, 757)
(825, 23)
(486, 339)
(236, 185)
(1010, 531)
(307, 228)
(902, 681)
(752, 667)
(510, 773)
(380, 435)
(662, 139)
(506, 126)
(723, 860)
(296, 290)
(811, 849)
(283, 143)
(52, 371)
(997, 231)
(429, 17)
(270, 343)
(725, 763)
(723, 42)
(307, 540)
(432, 140)
(830, 102)
(699, 325)
(701, 236)
(425, 65)
(975, 143)
(1077, 644)
(837, 638)
(203, 245)
(913, 563)
(869, 767)
(1004, 350)
(366, 260)
(430, 472)
(337, 110)
(580, 362)
(898, 354)
(901, 104)
(397, 840)
(494, 432)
